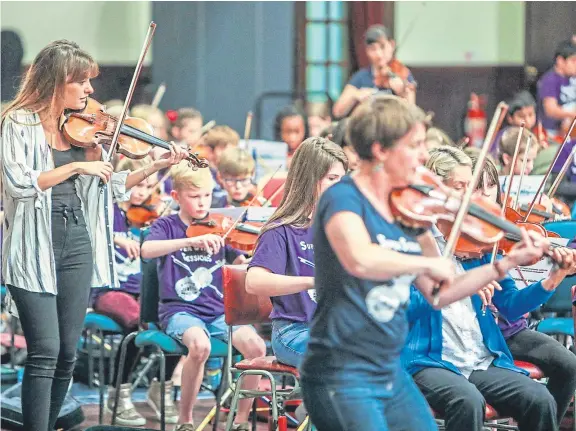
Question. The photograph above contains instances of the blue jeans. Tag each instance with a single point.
(361, 406)
(181, 321)
(289, 341)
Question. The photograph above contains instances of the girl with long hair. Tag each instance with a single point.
(58, 222)
(283, 263)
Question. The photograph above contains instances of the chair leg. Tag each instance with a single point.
(163, 390)
(101, 378)
(123, 347)
(224, 383)
(234, 402)
(88, 341)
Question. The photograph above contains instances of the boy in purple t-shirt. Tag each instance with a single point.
(557, 90)
(283, 263)
(191, 305)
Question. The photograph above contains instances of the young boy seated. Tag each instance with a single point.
(216, 141)
(235, 174)
(191, 305)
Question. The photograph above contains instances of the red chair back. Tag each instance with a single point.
(241, 307)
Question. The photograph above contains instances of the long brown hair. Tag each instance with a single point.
(310, 163)
(42, 89)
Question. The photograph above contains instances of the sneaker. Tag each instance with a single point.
(126, 413)
(185, 427)
(244, 426)
(153, 400)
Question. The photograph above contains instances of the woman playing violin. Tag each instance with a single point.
(56, 221)
(384, 75)
(475, 360)
(365, 262)
(525, 344)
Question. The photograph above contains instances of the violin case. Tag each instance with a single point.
(70, 416)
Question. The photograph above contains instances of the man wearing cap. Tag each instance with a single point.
(380, 52)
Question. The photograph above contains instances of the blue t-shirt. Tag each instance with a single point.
(364, 78)
(359, 328)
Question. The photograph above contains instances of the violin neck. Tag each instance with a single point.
(505, 225)
(143, 136)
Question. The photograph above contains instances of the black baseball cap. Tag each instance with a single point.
(375, 32)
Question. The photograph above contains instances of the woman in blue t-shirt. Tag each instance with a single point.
(351, 375)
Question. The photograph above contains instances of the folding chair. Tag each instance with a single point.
(242, 308)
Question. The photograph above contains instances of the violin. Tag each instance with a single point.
(429, 202)
(145, 213)
(394, 69)
(93, 126)
(242, 237)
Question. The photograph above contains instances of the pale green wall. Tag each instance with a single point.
(112, 31)
(457, 33)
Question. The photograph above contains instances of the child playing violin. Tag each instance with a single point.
(216, 141)
(191, 305)
(187, 127)
(291, 127)
(123, 306)
(283, 262)
(235, 174)
(474, 358)
(380, 52)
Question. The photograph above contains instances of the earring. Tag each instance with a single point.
(378, 168)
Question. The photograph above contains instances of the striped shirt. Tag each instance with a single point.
(27, 258)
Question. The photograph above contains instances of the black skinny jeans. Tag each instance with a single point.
(52, 324)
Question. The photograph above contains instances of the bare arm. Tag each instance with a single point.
(48, 179)
(153, 249)
(362, 258)
(553, 110)
(345, 102)
(260, 281)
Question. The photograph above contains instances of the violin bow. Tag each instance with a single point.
(128, 100)
(549, 171)
(524, 163)
(499, 115)
(513, 166)
(247, 129)
(159, 95)
(569, 159)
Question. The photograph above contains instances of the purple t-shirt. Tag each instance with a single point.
(288, 250)
(511, 328)
(128, 270)
(561, 88)
(190, 280)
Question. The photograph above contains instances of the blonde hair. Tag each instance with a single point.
(383, 119)
(236, 162)
(128, 164)
(438, 137)
(310, 163)
(489, 168)
(183, 177)
(509, 138)
(221, 136)
(443, 160)
(186, 114)
(42, 89)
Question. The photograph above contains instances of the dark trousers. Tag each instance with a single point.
(557, 362)
(52, 324)
(462, 402)
(365, 406)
